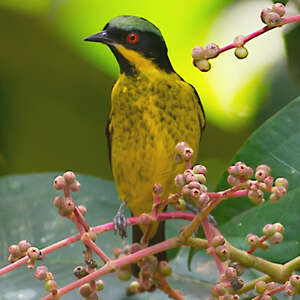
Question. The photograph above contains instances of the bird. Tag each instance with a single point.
(152, 109)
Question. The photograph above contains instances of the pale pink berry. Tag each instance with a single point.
(59, 183)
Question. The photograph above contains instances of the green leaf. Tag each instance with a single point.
(276, 143)
(292, 46)
(27, 212)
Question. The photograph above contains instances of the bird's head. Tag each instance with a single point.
(136, 43)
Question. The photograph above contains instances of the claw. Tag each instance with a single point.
(120, 221)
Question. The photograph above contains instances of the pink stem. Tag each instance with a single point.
(208, 234)
(96, 249)
(81, 219)
(117, 263)
(260, 32)
(253, 248)
(98, 229)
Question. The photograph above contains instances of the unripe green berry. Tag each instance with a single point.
(282, 182)
(295, 281)
(276, 238)
(273, 19)
(218, 240)
(203, 65)
(164, 268)
(92, 235)
(50, 286)
(211, 50)
(279, 8)
(260, 287)
(99, 285)
(124, 275)
(134, 287)
(85, 290)
(274, 198)
(241, 52)
(198, 53)
(268, 229)
(181, 204)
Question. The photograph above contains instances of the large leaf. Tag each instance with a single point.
(27, 212)
(276, 143)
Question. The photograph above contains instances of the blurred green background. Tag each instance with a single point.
(55, 88)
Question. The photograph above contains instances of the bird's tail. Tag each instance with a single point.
(159, 236)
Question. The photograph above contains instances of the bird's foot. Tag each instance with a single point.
(120, 221)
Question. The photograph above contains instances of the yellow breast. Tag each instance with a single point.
(150, 113)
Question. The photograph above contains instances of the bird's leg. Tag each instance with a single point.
(120, 221)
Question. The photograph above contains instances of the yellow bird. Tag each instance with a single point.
(152, 109)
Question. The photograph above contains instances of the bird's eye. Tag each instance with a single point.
(132, 38)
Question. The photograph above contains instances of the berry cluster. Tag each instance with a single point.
(88, 291)
(149, 274)
(42, 273)
(272, 232)
(229, 282)
(240, 175)
(18, 251)
(192, 183)
(272, 17)
(202, 55)
(66, 203)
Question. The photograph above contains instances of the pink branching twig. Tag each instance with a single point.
(260, 32)
(117, 263)
(209, 236)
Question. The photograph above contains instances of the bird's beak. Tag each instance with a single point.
(101, 37)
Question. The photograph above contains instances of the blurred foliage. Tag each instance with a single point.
(55, 89)
(292, 46)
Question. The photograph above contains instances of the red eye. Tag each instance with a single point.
(132, 38)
